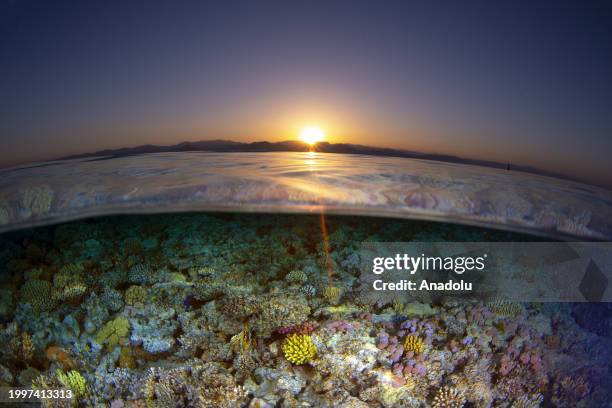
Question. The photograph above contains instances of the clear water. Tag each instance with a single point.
(197, 309)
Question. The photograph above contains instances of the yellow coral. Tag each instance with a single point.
(414, 343)
(331, 294)
(299, 348)
(71, 292)
(113, 331)
(398, 306)
(74, 381)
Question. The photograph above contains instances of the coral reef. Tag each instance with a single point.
(227, 310)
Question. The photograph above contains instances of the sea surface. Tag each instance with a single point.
(233, 280)
(304, 182)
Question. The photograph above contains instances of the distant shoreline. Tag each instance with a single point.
(223, 146)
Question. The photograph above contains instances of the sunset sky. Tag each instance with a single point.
(522, 82)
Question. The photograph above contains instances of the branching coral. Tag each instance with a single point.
(308, 290)
(528, 401)
(204, 386)
(447, 397)
(76, 382)
(299, 348)
(414, 343)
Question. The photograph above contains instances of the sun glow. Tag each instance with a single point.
(312, 135)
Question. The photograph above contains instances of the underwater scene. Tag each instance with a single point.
(265, 310)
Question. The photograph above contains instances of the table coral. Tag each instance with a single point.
(112, 332)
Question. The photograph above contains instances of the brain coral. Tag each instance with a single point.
(299, 348)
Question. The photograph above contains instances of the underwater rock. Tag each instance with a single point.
(5, 375)
(96, 312)
(273, 381)
(153, 327)
(279, 311)
(112, 299)
(27, 375)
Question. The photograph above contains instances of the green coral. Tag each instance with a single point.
(299, 348)
(135, 294)
(75, 382)
(39, 294)
(113, 331)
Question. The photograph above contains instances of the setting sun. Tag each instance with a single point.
(312, 135)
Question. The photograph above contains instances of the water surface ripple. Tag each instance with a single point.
(303, 182)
